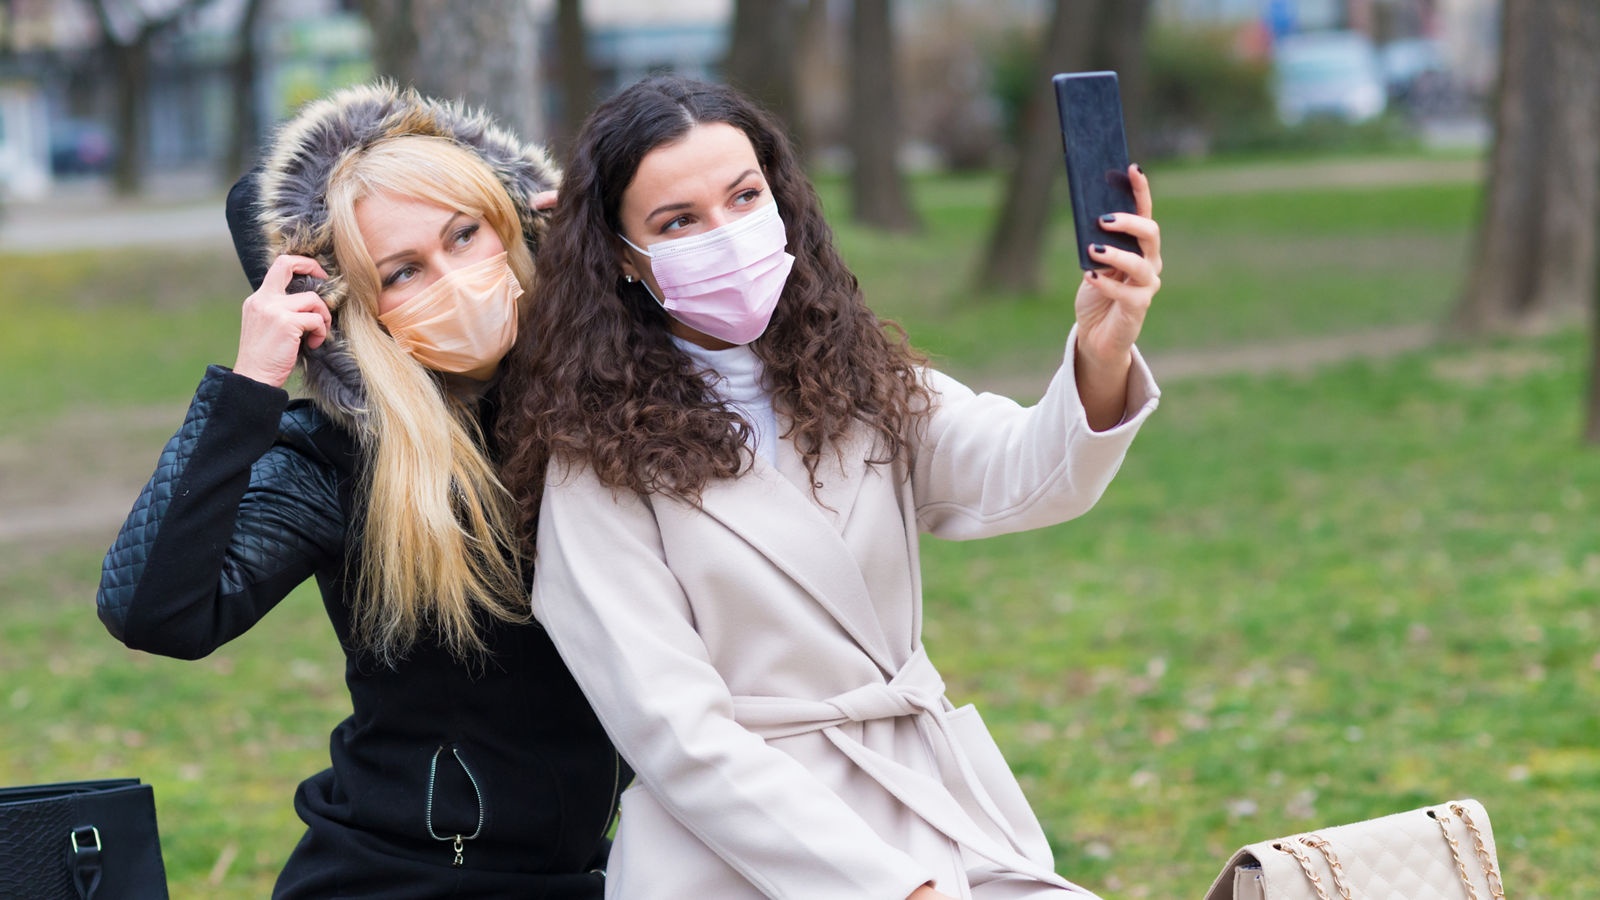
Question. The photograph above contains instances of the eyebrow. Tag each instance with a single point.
(674, 207)
(406, 252)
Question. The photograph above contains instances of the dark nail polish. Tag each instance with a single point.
(1093, 274)
(1108, 218)
(1097, 248)
(1139, 168)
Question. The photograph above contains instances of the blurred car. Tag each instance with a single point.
(1334, 74)
(1416, 74)
(80, 147)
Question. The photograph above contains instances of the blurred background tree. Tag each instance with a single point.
(127, 33)
(485, 53)
(1083, 35)
(877, 181)
(763, 51)
(575, 74)
(247, 113)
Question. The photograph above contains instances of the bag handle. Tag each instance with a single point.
(83, 861)
(1321, 845)
(1491, 872)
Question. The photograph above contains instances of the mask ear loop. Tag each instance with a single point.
(640, 281)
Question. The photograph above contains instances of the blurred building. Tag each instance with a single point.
(58, 77)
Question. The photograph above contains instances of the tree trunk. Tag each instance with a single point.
(1012, 261)
(876, 181)
(763, 45)
(243, 144)
(577, 73)
(130, 66)
(1123, 27)
(131, 62)
(484, 53)
(1536, 242)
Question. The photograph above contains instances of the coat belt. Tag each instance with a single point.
(915, 691)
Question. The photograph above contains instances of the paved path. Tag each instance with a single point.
(178, 209)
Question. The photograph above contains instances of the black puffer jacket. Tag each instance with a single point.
(253, 495)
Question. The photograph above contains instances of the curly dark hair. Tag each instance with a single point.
(594, 377)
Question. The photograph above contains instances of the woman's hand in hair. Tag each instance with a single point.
(544, 200)
(928, 893)
(275, 322)
(1111, 306)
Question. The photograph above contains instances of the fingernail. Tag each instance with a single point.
(1097, 248)
(1108, 218)
(1093, 274)
(1138, 168)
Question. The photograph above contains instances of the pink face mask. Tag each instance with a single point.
(725, 282)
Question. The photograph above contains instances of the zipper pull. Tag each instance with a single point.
(459, 862)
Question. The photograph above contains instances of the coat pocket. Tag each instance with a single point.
(995, 779)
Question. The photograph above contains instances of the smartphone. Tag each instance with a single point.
(1096, 150)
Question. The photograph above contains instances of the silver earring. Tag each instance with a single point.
(628, 278)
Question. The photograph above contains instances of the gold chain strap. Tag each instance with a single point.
(1455, 851)
(1305, 863)
(1318, 842)
(1490, 869)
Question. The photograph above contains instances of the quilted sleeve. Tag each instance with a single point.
(236, 515)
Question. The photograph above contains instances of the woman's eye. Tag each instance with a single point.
(400, 275)
(465, 235)
(675, 224)
(748, 197)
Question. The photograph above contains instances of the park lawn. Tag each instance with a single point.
(1306, 600)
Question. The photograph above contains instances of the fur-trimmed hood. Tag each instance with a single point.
(282, 207)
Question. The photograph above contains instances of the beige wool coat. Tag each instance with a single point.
(759, 663)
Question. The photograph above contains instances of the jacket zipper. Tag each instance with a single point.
(458, 840)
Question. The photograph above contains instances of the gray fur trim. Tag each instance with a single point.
(293, 203)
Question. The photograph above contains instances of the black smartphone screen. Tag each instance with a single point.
(1096, 151)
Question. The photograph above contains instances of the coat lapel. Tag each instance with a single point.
(780, 519)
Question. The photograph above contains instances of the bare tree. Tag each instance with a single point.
(484, 53)
(876, 180)
(1082, 34)
(242, 146)
(763, 50)
(127, 39)
(576, 71)
(1536, 241)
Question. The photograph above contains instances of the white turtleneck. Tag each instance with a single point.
(736, 377)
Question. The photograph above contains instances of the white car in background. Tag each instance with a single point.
(1334, 74)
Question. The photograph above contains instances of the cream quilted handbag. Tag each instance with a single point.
(1443, 852)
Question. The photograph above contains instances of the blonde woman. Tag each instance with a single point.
(470, 765)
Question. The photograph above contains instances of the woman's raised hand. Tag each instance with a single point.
(274, 322)
(1112, 300)
(1111, 306)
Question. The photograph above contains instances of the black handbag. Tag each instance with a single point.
(82, 840)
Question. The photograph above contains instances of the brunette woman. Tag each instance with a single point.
(730, 461)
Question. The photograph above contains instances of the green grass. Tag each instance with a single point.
(1306, 599)
(1239, 268)
(113, 328)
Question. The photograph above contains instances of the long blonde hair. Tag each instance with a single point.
(439, 546)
